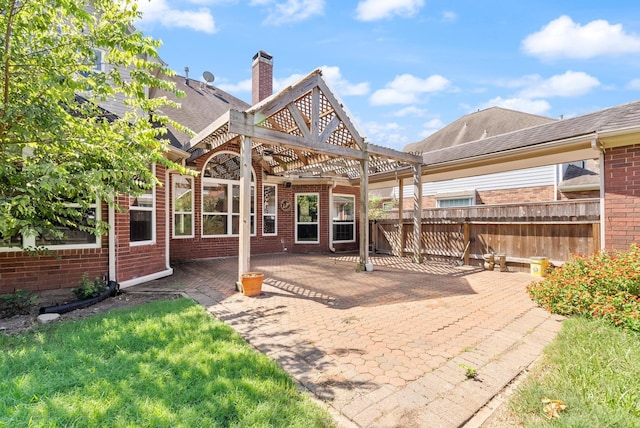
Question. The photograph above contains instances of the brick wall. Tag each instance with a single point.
(499, 196)
(139, 261)
(622, 197)
(60, 269)
(199, 247)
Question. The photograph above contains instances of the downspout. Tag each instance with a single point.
(597, 146)
(168, 217)
(557, 173)
(112, 244)
(333, 186)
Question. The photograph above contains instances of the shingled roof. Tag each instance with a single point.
(202, 104)
(610, 119)
(477, 126)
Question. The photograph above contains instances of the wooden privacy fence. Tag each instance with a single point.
(555, 230)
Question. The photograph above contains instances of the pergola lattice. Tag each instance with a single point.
(305, 131)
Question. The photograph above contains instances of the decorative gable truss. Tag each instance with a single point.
(303, 130)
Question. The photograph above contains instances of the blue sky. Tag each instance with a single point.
(406, 68)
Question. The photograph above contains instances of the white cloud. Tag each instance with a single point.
(234, 88)
(162, 13)
(634, 85)
(405, 89)
(343, 87)
(430, 127)
(331, 75)
(540, 107)
(411, 111)
(563, 38)
(388, 134)
(569, 84)
(372, 10)
(282, 12)
(449, 16)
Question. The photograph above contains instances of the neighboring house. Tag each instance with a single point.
(544, 183)
(610, 137)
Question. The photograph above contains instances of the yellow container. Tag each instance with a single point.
(539, 266)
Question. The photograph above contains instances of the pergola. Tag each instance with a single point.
(304, 130)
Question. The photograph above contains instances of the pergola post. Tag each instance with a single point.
(417, 213)
(244, 243)
(364, 212)
(399, 251)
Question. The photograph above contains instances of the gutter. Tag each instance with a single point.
(521, 153)
(597, 145)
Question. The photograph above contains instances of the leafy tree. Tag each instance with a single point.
(59, 148)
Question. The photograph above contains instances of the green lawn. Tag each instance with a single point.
(162, 364)
(594, 368)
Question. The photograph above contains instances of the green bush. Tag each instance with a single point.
(89, 288)
(603, 285)
(17, 303)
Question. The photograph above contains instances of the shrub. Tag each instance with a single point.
(601, 285)
(89, 288)
(17, 303)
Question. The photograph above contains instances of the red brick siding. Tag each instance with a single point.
(622, 197)
(199, 247)
(138, 261)
(61, 269)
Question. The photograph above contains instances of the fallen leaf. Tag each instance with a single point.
(552, 408)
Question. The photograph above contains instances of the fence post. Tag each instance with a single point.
(466, 237)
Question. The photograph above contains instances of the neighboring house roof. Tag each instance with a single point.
(477, 126)
(610, 119)
(202, 104)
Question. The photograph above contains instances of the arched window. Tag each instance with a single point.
(221, 196)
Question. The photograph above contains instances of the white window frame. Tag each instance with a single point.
(174, 181)
(275, 213)
(30, 241)
(152, 209)
(230, 214)
(456, 196)
(317, 222)
(352, 222)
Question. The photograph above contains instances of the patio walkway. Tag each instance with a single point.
(383, 348)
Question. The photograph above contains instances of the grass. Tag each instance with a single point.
(594, 368)
(162, 364)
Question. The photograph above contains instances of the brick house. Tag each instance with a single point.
(291, 173)
(608, 139)
(288, 182)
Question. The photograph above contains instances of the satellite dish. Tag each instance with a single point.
(208, 76)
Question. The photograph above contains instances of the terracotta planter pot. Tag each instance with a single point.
(252, 283)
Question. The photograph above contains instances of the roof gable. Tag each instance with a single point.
(613, 118)
(477, 126)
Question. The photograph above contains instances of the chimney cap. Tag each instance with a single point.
(263, 54)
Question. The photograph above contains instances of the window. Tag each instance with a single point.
(344, 220)
(459, 202)
(456, 199)
(221, 196)
(307, 222)
(97, 63)
(72, 236)
(269, 211)
(182, 206)
(142, 217)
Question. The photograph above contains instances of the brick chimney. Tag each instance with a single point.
(262, 77)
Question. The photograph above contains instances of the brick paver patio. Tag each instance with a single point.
(382, 348)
